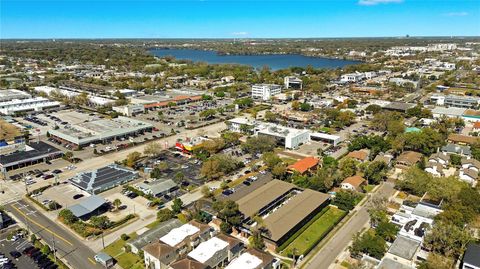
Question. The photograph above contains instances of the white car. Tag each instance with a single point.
(254, 178)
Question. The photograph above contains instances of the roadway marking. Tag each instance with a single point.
(92, 261)
(41, 226)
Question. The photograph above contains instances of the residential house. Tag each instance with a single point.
(476, 127)
(469, 171)
(187, 263)
(359, 155)
(215, 253)
(254, 259)
(457, 149)
(462, 139)
(384, 157)
(304, 165)
(159, 255)
(152, 235)
(354, 183)
(408, 159)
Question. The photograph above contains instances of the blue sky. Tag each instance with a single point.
(228, 19)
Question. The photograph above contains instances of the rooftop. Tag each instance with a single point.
(207, 249)
(304, 164)
(87, 206)
(188, 264)
(33, 151)
(177, 235)
(388, 263)
(152, 235)
(293, 211)
(254, 201)
(104, 177)
(472, 255)
(404, 247)
(245, 261)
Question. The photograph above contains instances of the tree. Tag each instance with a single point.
(279, 171)
(207, 193)
(387, 230)
(348, 166)
(345, 199)
(455, 159)
(67, 216)
(436, 261)
(447, 239)
(228, 211)
(256, 241)
(68, 155)
(124, 237)
(152, 149)
(207, 114)
(270, 116)
(259, 144)
(374, 109)
(101, 222)
(177, 205)
(117, 203)
(368, 243)
(46, 250)
(218, 165)
(214, 145)
(164, 214)
(375, 172)
(162, 166)
(271, 159)
(132, 158)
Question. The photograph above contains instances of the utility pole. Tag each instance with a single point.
(103, 241)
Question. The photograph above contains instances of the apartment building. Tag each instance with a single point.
(265, 91)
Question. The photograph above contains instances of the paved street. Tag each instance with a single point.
(329, 252)
(68, 246)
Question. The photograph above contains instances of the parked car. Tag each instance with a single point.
(77, 196)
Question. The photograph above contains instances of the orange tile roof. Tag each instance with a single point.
(476, 125)
(304, 164)
(355, 181)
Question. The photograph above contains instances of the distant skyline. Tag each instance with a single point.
(238, 19)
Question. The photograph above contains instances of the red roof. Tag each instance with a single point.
(304, 164)
(476, 125)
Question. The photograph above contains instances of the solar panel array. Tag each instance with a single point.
(108, 175)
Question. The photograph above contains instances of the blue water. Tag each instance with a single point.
(275, 62)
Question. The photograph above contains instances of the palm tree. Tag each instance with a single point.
(117, 203)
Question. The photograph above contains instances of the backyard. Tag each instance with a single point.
(315, 232)
(124, 259)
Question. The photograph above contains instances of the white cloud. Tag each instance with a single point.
(376, 2)
(456, 14)
(239, 33)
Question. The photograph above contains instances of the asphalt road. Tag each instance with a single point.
(67, 246)
(330, 251)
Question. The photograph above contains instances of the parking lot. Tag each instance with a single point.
(64, 194)
(137, 205)
(182, 117)
(7, 248)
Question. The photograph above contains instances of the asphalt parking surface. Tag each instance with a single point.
(23, 262)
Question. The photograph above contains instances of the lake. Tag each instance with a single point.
(274, 61)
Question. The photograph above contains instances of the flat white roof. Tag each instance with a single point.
(454, 111)
(280, 131)
(245, 261)
(177, 235)
(241, 121)
(207, 249)
(326, 136)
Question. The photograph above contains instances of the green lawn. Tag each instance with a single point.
(315, 232)
(125, 260)
(369, 188)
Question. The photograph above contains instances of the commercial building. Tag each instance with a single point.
(103, 179)
(327, 138)
(35, 152)
(129, 110)
(26, 105)
(291, 82)
(13, 94)
(190, 144)
(285, 207)
(455, 101)
(88, 206)
(398, 106)
(240, 125)
(265, 91)
(290, 138)
(451, 112)
(158, 188)
(100, 131)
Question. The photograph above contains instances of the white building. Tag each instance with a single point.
(292, 82)
(236, 124)
(129, 110)
(265, 91)
(25, 105)
(352, 77)
(328, 138)
(13, 94)
(289, 137)
(213, 252)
